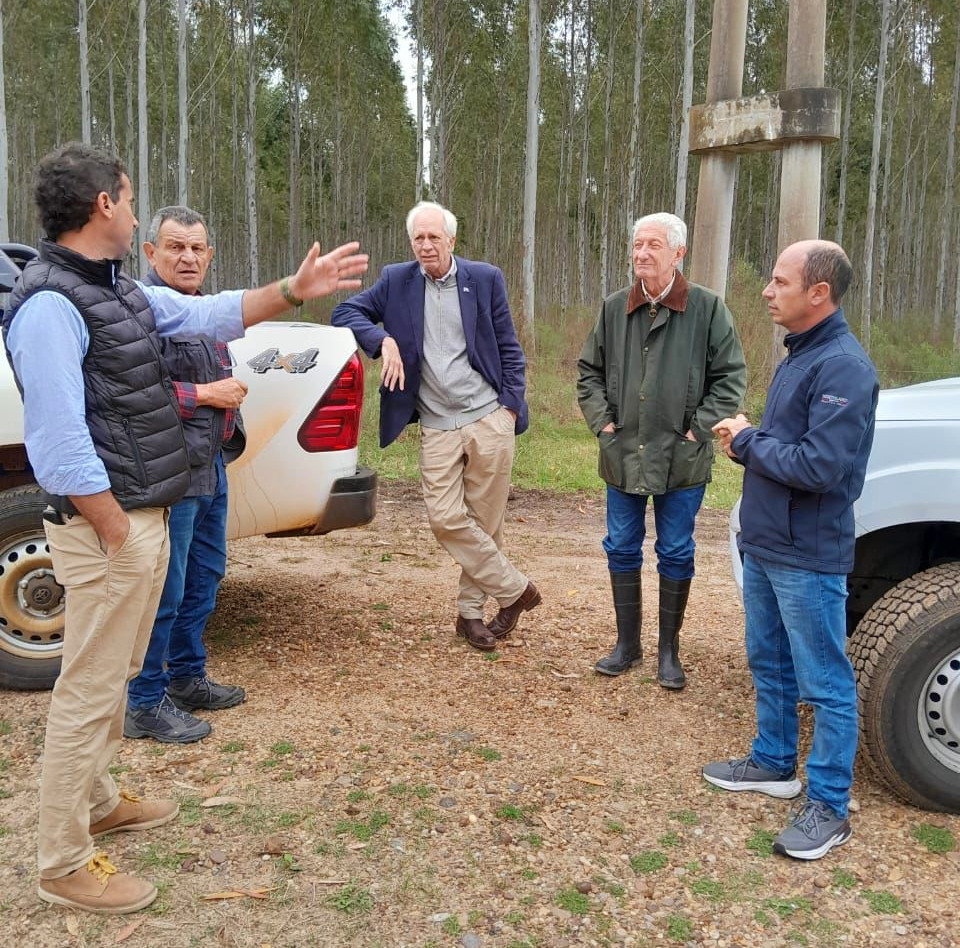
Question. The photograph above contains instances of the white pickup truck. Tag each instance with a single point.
(903, 607)
(298, 474)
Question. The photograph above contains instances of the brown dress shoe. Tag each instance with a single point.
(475, 632)
(505, 621)
(97, 887)
(132, 813)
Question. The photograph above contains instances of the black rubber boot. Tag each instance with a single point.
(673, 604)
(627, 603)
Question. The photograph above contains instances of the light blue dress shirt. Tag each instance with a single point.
(48, 341)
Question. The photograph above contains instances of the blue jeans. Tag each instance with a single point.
(198, 561)
(674, 513)
(796, 631)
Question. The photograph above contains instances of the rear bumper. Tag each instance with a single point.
(352, 503)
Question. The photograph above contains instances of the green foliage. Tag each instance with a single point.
(709, 889)
(351, 899)
(363, 830)
(679, 928)
(843, 879)
(651, 860)
(669, 840)
(488, 753)
(685, 817)
(760, 842)
(281, 748)
(232, 747)
(936, 839)
(510, 812)
(882, 903)
(451, 926)
(573, 901)
(787, 907)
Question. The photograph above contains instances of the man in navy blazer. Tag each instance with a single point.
(451, 361)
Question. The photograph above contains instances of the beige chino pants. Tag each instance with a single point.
(110, 607)
(466, 479)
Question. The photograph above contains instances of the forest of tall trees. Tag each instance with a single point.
(285, 120)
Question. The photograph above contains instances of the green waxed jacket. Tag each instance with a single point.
(683, 370)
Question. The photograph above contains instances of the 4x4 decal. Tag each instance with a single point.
(294, 362)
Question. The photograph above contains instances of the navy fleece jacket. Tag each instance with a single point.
(805, 463)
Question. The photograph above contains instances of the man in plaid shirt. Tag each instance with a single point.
(173, 681)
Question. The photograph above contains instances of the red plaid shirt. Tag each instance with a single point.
(186, 393)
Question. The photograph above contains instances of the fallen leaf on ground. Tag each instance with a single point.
(222, 801)
(236, 894)
(589, 780)
(209, 792)
(128, 930)
(73, 926)
(559, 674)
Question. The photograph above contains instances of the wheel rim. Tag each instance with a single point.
(939, 712)
(31, 600)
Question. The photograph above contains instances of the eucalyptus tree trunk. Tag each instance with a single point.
(182, 195)
(4, 166)
(605, 196)
(874, 174)
(530, 172)
(584, 158)
(419, 29)
(143, 153)
(845, 132)
(294, 237)
(250, 155)
(680, 203)
(949, 199)
(884, 218)
(633, 186)
(85, 125)
(111, 103)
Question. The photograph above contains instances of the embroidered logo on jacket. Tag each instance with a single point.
(837, 400)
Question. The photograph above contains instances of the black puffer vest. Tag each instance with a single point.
(130, 409)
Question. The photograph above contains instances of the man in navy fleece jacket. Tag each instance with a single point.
(804, 468)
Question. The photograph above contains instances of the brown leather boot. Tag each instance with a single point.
(475, 632)
(97, 887)
(505, 621)
(132, 813)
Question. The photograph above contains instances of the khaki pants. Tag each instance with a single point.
(110, 607)
(466, 480)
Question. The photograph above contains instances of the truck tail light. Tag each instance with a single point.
(334, 423)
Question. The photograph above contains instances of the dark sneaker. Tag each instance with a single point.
(202, 694)
(165, 723)
(744, 774)
(813, 831)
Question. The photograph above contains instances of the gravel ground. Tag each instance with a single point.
(386, 785)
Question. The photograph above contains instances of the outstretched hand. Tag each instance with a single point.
(330, 273)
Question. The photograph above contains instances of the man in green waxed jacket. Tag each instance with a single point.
(662, 365)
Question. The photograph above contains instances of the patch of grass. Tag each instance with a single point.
(491, 656)
(357, 796)
(669, 840)
(843, 879)
(784, 908)
(935, 839)
(282, 748)
(685, 817)
(158, 856)
(451, 926)
(5, 727)
(760, 842)
(232, 747)
(290, 818)
(5, 831)
(709, 889)
(363, 830)
(116, 769)
(535, 840)
(510, 812)
(5, 794)
(528, 874)
(679, 928)
(421, 791)
(351, 899)
(288, 863)
(190, 811)
(380, 607)
(651, 860)
(363, 749)
(573, 901)
(488, 753)
(882, 903)
(515, 917)
(612, 826)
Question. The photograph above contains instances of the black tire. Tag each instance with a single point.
(31, 639)
(906, 654)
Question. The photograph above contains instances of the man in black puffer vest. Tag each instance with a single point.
(173, 681)
(104, 439)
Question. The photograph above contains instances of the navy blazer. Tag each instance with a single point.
(396, 301)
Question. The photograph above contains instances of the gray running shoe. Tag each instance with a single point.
(165, 723)
(744, 774)
(813, 831)
(202, 694)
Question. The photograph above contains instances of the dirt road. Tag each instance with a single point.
(386, 785)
